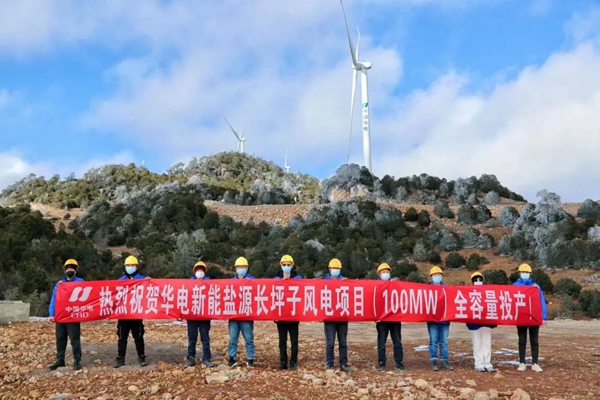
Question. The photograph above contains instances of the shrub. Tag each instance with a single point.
(455, 261)
(420, 251)
(514, 276)
(485, 241)
(589, 301)
(473, 199)
(442, 210)
(404, 269)
(543, 280)
(567, 309)
(568, 287)
(496, 277)
(411, 215)
(434, 257)
(475, 260)
(424, 219)
(467, 215)
(492, 198)
(470, 238)
(508, 216)
(450, 241)
(589, 209)
(416, 277)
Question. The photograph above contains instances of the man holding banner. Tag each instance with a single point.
(339, 328)
(392, 328)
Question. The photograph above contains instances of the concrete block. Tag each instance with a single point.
(13, 311)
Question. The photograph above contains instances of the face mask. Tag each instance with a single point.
(385, 276)
(525, 276)
(130, 270)
(199, 274)
(334, 272)
(69, 274)
(241, 271)
(478, 283)
(436, 279)
(286, 269)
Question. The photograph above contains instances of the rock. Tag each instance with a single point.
(362, 392)
(61, 396)
(190, 370)
(447, 382)
(309, 377)
(401, 383)
(35, 394)
(468, 391)
(437, 394)
(421, 384)
(498, 375)
(493, 394)
(481, 396)
(177, 372)
(216, 377)
(133, 388)
(330, 372)
(154, 389)
(317, 382)
(471, 383)
(520, 394)
(350, 382)
(408, 396)
(167, 396)
(222, 367)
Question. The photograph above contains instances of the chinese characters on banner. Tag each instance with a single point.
(297, 300)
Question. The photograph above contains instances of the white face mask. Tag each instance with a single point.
(525, 276)
(478, 283)
(200, 274)
(130, 270)
(385, 276)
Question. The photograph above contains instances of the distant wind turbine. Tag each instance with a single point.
(285, 164)
(241, 139)
(361, 67)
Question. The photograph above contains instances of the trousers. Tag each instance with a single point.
(72, 332)
(284, 328)
(136, 327)
(534, 332)
(339, 329)
(193, 327)
(482, 347)
(394, 329)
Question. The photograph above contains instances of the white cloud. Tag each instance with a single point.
(13, 168)
(584, 26)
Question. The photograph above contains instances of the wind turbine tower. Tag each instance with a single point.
(241, 139)
(359, 67)
(285, 164)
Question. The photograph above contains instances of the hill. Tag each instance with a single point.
(171, 220)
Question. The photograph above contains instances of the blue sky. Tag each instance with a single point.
(458, 87)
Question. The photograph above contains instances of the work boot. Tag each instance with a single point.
(522, 367)
(536, 368)
(120, 362)
(232, 362)
(400, 367)
(282, 366)
(77, 365)
(434, 365)
(345, 368)
(57, 364)
(446, 365)
(293, 366)
(250, 363)
(208, 363)
(142, 361)
(329, 366)
(191, 361)
(490, 369)
(381, 366)
(480, 369)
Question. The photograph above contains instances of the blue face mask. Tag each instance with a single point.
(335, 272)
(385, 276)
(436, 279)
(241, 271)
(286, 269)
(525, 276)
(130, 270)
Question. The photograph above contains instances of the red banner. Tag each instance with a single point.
(297, 300)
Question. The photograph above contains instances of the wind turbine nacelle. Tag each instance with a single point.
(362, 65)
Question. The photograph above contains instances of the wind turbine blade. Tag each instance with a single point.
(232, 130)
(354, 59)
(357, 44)
(242, 135)
(354, 77)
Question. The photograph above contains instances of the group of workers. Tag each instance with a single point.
(438, 331)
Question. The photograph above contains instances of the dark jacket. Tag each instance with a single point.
(328, 276)
(293, 275)
(134, 276)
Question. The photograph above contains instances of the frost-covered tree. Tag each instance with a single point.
(442, 210)
(492, 198)
(473, 199)
(508, 216)
(589, 209)
(470, 238)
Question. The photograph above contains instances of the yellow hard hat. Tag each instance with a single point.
(524, 268)
(286, 259)
(435, 270)
(199, 264)
(131, 260)
(71, 262)
(241, 262)
(383, 266)
(476, 274)
(335, 263)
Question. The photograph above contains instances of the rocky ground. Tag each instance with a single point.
(570, 351)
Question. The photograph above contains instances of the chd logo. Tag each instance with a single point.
(80, 294)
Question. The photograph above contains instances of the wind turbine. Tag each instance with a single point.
(241, 139)
(285, 165)
(362, 67)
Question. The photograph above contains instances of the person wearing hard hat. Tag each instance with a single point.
(245, 327)
(339, 328)
(135, 326)
(438, 331)
(71, 330)
(287, 327)
(481, 335)
(199, 325)
(385, 328)
(534, 331)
